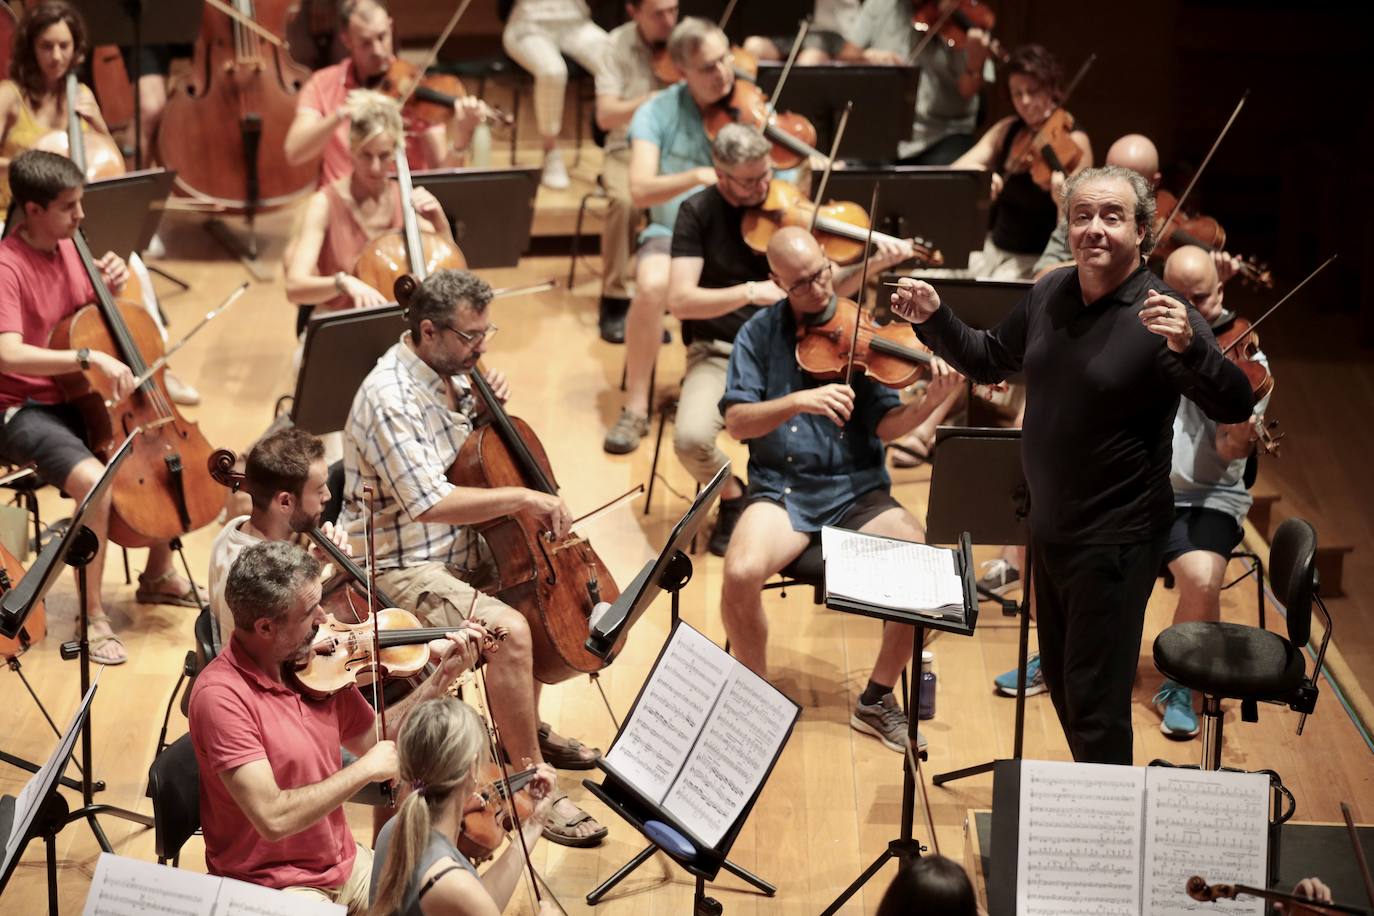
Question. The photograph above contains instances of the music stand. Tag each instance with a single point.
(978, 486)
(39, 810)
(76, 547)
(884, 104)
(490, 210)
(340, 350)
(123, 214)
(906, 846)
(137, 23)
(947, 206)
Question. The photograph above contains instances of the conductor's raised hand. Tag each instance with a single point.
(1167, 317)
(835, 401)
(915, 300)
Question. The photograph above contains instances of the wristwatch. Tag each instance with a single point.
(339, 277)
(83, 357)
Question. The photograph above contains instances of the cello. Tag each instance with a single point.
(163, 490)
(223, 131)
(555, 584)
(35, 625)
(95, 153)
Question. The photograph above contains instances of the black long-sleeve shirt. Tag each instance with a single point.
(1101, 393)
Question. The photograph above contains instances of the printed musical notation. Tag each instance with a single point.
(129, 887)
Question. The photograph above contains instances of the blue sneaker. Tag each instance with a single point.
(1175, 704)
(1035, 679)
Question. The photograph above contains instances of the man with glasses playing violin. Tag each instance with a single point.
(815, 458)
(407, 424)
(320, 128)
(272, 784)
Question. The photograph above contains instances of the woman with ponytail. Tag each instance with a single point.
(417, 868)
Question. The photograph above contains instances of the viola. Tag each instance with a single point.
(889, 354)
(163, 489)
(223, 131)
(1202, 231)
(1198, 889)
(954, 27)
(1240, 344)
(342, 654)
(431, 99)
(1047, 150)
(502, 804)
(842, 229)
(793, 136)
(35, 625)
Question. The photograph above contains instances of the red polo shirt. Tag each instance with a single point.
(237, 716)
(37, 290)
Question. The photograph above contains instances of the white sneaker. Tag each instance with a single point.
(180, 392)
(155, 247)
(555, 172)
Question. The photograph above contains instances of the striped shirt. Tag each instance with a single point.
(400, 439)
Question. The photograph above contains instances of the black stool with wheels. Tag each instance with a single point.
(174, 787)
(1233, 661)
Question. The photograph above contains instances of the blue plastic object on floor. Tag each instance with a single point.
(669, 840)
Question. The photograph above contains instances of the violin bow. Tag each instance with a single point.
(527, 290)
(930, 34)
(433, 54)
(830, 164)
(859, 299)
(378, 697)
(1359, 852)
(1192, 183)
(725, 16)
(1269, 311)
(802, 28)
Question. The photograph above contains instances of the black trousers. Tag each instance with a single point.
(1090, 610)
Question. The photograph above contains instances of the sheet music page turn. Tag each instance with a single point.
(898, 574)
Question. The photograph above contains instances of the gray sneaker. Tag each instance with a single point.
(885, 721)
(624, 436)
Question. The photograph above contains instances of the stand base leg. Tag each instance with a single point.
(647, 852)
(703, 905)
(32, 767)
(896, 849)
(749, 877)
(621, 874)
(977, 770)
(246, 253)
(90, 811)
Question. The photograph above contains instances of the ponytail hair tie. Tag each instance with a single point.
(419, 786)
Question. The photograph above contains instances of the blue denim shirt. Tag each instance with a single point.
(805, 464)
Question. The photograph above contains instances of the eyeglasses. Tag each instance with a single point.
(472, 338)
(801, 285)
(748, 182)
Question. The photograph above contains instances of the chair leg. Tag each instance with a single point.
(653, 465)
(1211, 733)
(515, 119)
(576, 245)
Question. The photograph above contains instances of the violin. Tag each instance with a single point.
(889, 354)
(1047, 150)
(342, 654)
(554, 584)
(1240, 344)
(793, 135)
(503, 803)
(95, 153)
(953, 28)
(35, 625)
(163, 489)
(1198, 889)
(223, 131)
(410, 251)
(431, 99)
(1202, 231)
(842, 229)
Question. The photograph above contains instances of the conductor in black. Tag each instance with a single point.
(1106, 350)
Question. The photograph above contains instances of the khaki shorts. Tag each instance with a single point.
(436, 594)
(354, 892)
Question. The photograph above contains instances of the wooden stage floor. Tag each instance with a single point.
(834, 799)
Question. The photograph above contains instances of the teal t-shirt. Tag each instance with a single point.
(672, 122)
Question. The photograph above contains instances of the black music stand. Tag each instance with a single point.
(906, 846)
(884, 104)
(978, 486)
(946, 206)
(76, 548)
(40, 810)
(491, 210)
(137, 23)
(123, 214)
(340, 350)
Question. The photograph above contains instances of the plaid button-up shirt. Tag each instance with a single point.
(400, 439)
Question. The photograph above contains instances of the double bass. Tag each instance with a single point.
(163, 490)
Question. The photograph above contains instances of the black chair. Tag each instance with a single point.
(174, 787)
(806, 570)
(335, 482)
(1233, 661)
(208, 642)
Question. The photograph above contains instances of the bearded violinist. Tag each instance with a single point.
(1208, 479)
(404, 431)
(1107, 350)
(320, 127)
(272, 785)
(624, 82)
(42, 282)
(804, 474)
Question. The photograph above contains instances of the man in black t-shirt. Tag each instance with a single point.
(716, 282)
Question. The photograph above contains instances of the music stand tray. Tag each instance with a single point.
(884, 100)
(946, 206)
(490, 210)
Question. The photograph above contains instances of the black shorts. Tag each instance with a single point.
(1196, 528)
(50, 436)
(861, 511)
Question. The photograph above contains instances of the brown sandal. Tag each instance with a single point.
(565, 756)
(96, 643)
(562, 832)
(147, 592)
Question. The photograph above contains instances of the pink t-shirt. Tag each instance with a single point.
(323, 93)
(37, 290)
(237, 716)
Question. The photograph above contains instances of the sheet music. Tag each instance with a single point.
(130, 887)
(1080, 839)
(239, 898)
(669, 715)
(730, 761)
(902, 575)
(1204, 823)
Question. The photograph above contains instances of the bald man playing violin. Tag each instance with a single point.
(815, 458)
(272, 783)
(1107, 349)
(320, 128)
